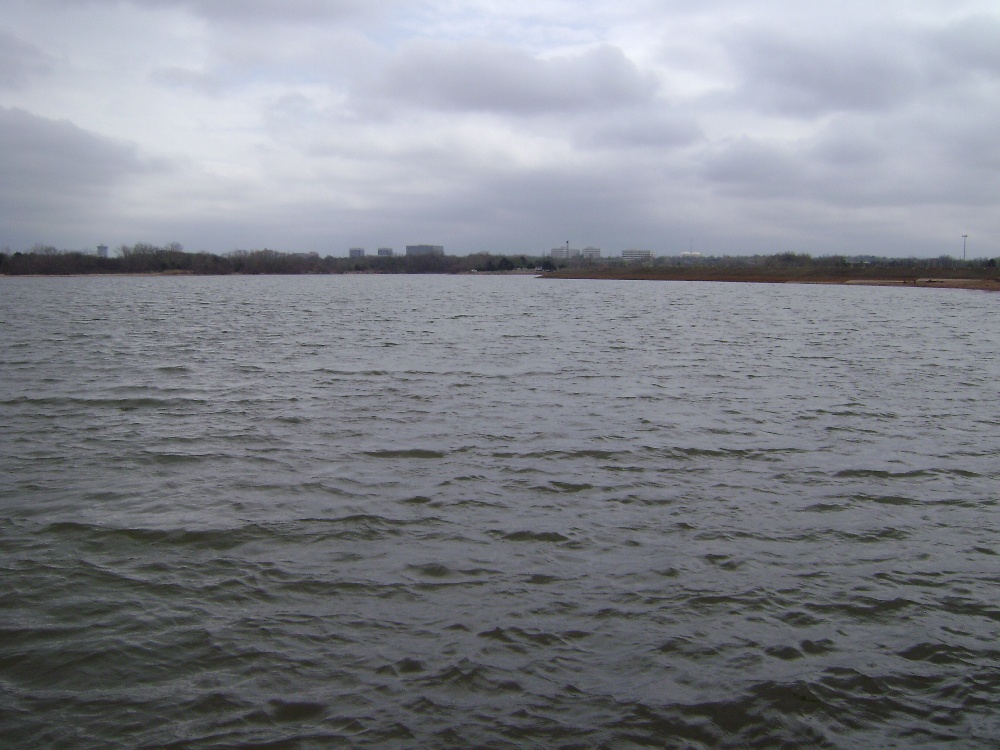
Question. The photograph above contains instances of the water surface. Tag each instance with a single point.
(357, 511)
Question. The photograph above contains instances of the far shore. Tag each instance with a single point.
(923, 282)
(625, 274)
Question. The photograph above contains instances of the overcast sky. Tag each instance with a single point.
(722, 126)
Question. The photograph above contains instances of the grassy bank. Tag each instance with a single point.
(983, 277)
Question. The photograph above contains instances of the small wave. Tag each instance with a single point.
(406, 453)
(124, 404)
(540, 579)
(885, 499)
(565, 487)
(515, 635)
(824, 508)
(402, 667)
(942, 653)
(873, 536)
(432, 570)
(471, 677)
(535, 536)
(912, 474)
(353, 527)
(416, 500)
(289, 711)
(866, 608)
(219, 539)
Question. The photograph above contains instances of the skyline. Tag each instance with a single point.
(315, 126)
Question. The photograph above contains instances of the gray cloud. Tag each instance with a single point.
(256, 11)
(318, 125)
(21, 62)
(199, 81)
(793, 74)
(643, 129)
(56, 174)
(754, 167)
(480, 76)
(971, 43)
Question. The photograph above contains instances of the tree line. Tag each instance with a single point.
(144, 258)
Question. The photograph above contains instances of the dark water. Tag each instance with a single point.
(497, 512)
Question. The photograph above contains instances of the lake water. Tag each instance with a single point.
(497, 512)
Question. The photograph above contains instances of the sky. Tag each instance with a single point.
(723, 127)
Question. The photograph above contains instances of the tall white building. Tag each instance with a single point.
(634, 255)
(356, 252)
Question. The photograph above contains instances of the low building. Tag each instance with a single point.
(590, 253)
(425, 249)
(564, 253)
(637, 255)
(385, 252)
(356, 252)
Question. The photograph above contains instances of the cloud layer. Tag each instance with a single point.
(316, 125)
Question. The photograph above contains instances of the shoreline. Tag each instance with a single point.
(923, 282)
(926, 282)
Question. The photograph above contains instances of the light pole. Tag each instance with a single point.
(964, 238)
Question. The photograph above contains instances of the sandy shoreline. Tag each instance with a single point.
(926, 282)
(989, 285)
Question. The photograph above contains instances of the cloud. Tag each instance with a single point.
(21, 62)
(788, 73)
(195, 80)
(482, 76)
(643, 129)
(257, 11)
(56, 174)
(971, 43)
(505, 126)
(754, 167)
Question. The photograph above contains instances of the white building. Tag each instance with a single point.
(637, 255)
(564, 253)
(385, 252)
(425, 249)
(356, 252)
(589, 253)
(102, 251)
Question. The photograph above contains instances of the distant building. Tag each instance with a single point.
(589, 253)
(385, 252)
(356, 252)
(425, 249)
(102, 251)
(564, 253)
(637, 255)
